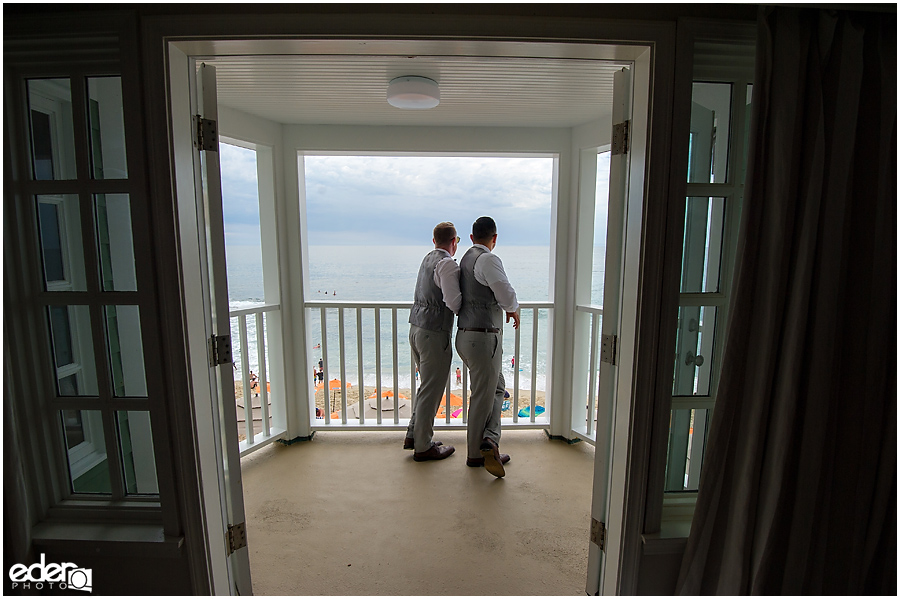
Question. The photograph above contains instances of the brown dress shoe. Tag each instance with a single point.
(491, 455)
(410, 443)
(435, 452)
(479, 462)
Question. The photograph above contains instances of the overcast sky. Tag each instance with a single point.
(389, 200)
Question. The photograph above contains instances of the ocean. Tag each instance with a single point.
(388, 273)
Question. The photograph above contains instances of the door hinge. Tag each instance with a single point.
(206, 134)
(620, 138)
(608, 346)
(219, 350)
(237, 537)
(598, 534)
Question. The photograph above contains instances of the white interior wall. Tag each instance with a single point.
(266, 137)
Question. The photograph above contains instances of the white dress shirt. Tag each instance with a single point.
(446, 276)
(489, 271)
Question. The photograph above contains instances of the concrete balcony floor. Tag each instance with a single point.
(351, 513)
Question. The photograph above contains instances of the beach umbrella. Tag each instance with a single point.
(387, 406)
(455, 401)
(387, 400)
(333, 384)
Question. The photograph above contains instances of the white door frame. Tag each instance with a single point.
(657, 34)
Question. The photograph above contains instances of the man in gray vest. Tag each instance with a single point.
(486, 295)
(436, 301)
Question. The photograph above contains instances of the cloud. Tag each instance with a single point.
(240, 195)
(400, 199)
(397, 200)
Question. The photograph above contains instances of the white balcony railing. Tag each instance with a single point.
(588, 432)
(367, 331)
(261, 387)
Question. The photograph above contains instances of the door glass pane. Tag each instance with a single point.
(73, 350)
(86, 451)
(601, 209)
(62, 253)
(688, 432)
(704, 225)
(125, 351)
(52, 133)
(136, 450)
(694, 351)
(107, 125)
(115, 243)
(710, 122)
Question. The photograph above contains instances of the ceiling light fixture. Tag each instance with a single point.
(413, 93)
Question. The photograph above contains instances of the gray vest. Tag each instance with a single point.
(479, 309)
(429, 310)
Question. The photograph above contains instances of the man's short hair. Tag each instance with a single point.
(484, 228)
(444, 233)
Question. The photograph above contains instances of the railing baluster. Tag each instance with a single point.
(447, 401)
(534, 360)
(592, 369)
(465, 394)
(361, 387)
(245, 379)
(343, 359)
(325, 410)
(515, 367)
(378, 365)
(263, 374)
(395, 366)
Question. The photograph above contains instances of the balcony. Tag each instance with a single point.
(382, 524)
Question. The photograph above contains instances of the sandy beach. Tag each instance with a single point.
(334, 395)
(334, 401)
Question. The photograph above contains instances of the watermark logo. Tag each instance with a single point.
(51, 576)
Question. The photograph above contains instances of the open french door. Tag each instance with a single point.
(605, 527)
(214, 282)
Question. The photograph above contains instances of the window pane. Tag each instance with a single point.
(107, 124)
(73, 350)
(126, 353)
(694, 350)
(115, 243)
(704, 224)
(136, 449)
(86, 451)
(688, 432)
(52, 134)
(59, 222)
(710, 122)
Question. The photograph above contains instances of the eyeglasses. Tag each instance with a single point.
(457, 240)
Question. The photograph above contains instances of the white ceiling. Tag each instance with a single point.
(475, 90)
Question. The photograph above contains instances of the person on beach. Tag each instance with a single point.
(458, 376)
(436, 301)
(486, 295)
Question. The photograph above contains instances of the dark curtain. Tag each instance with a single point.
(798, 490)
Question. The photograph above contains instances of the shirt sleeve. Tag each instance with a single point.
(489, 271)
(446, 276)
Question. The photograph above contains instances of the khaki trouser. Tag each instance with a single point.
(432, 354)
(482, 354)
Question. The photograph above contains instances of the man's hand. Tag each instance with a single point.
(515, 317)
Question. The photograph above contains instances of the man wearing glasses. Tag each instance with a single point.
(486, 295)
(437, 299)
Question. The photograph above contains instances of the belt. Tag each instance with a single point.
(481, 330)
